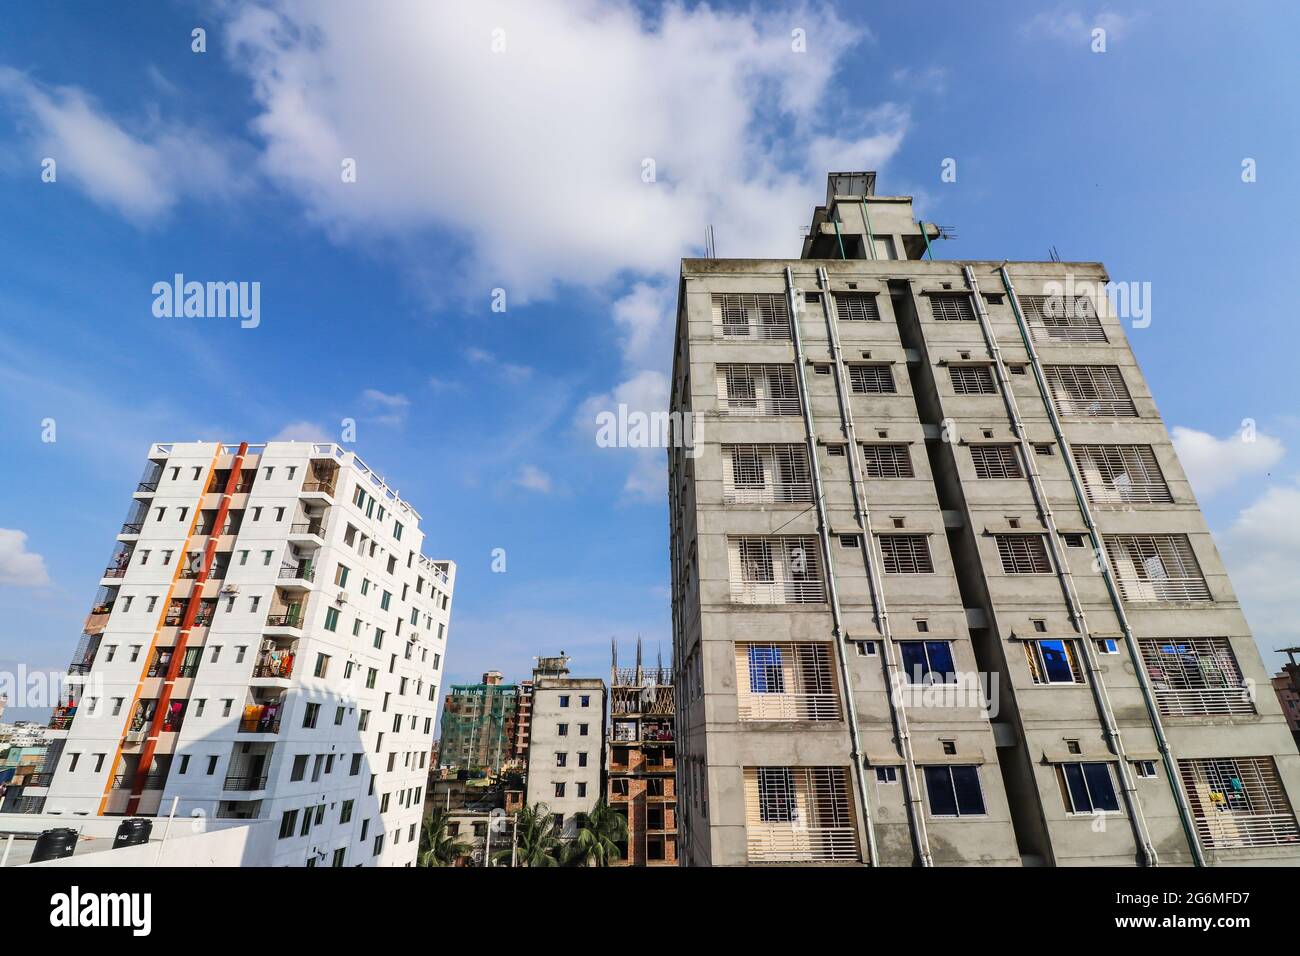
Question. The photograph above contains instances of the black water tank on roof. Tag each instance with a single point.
(132, 832)
(54, 844)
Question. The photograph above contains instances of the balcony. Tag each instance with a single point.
(275, 664)
(62, 717)
(291, 619)
(259, 723)
(132, 527)
(245, 782)
(148, 486)
(43, 779)
(297, 575)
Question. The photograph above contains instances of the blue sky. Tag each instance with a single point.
(503, 147)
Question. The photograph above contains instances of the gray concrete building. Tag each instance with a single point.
(942, 594)
(566, 747)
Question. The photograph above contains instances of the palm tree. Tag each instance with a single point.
(599, 834)
(537, 838)
(437, 847)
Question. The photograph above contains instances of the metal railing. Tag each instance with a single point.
(244, 782)
(1206, 701)
(293, 620)
(321, 487)
(301, 572)
(761, 316)
(132, 527)
(257, 725)
(308, 527)
(787, 844)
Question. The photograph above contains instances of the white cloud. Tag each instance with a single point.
(18, 566)
(302, 431)
(141, 172)
(384, 409)
(1213, 464)
(534, 479)
(506, 371)
(1262, 553)
(933, 79)
(1066, 23)
(533, 157)
(645, 392)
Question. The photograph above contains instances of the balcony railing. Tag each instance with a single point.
(788, 706)
(278, 666)
(778, 592)
(62, 718)
(318, 487)
(132, 527)
(147, 485)
(292, 619)
(43, 779)
(259, 725)
(300, 572)
(1204, 701)
(308, 527)
(245, 782)
(788, 844)
(113, 571)
(1230, 829)
(153, 780)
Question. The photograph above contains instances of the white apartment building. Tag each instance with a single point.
(566, 747)
(267, 643)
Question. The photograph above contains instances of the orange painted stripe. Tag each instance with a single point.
(162, 617)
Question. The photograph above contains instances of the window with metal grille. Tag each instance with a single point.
(954, 791)
(888, 461)
(799, 814)
(906, 554)
(765, 473)
(972, 379)
(996, 461)
(757, 390)
(1053, 661)
(1238, 801)
(1121, 473)
(952, 307)
(871, 379)
(1156, 567)
(750, 316)
(1195, 676)
(785, 681)
(856, 307)
(1087, 787)
(776, 570)
(1090, 391)
(928, 662)
(1023, 554)
(1062, 318)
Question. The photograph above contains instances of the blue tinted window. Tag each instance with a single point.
(1099, 785)
(966, 782)
(938, 784)
(1056, 663)
(928, 662)
(765, 675)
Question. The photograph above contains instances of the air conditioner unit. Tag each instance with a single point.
(230, 589)
(341, 597)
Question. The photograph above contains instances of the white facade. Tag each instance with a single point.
(307, 691)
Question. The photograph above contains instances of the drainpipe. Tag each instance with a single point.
(1066, 578)
(897, 711)
(823, 533)
(871, 235)
(1107, 574)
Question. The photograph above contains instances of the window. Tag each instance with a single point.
(766, 473)
(1156, 567)
(331, 619)
(1023, 554)
(1238, 802)
(954, 791)
(795, 814)
(582, 729)
(757, 390)
(559, 790)
(287, 824)
(906, 554)
(1087, 788)
(1195, 676)
(322, 664)
(1145, 768)
(1061, 318)
(996, 461)
(562, 730)
(856, 307)
(886, 775)
(1053, 662)
(750, 316)
(582, 789)
(585, 700)
(1108, 645)
(875, 379)
(561, 759)
(952, 307)
(1121, 473)
(777, 570)
(1090, 391)
(564, 700)
(972, 379)
(928, 662)
(310, 714)
(887, 461)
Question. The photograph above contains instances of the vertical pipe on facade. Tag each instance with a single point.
(897, 711)
(823, 533)
(871, 235)
(1066, 578)
(1107, 574)
(178, 653)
